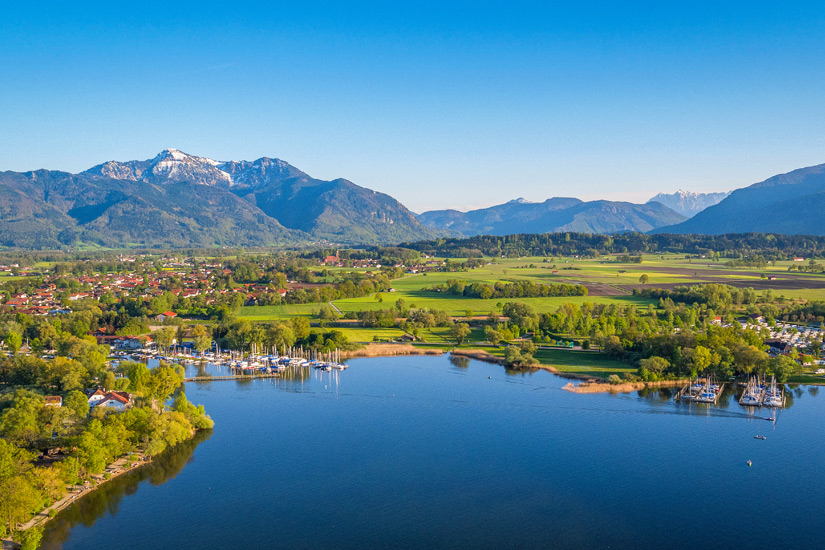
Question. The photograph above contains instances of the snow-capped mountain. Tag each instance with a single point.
(260, 172)
(177, 199)
(170, 165)
(689, 203)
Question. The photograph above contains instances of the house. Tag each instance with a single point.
(128, 342)
(798, 259)
(165, 315)
(53, 401)
(778, 347)
(717, 320)
(118, 400)
(331, 260)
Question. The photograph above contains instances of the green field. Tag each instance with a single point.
(613, 284)
(610, 282)
(286, 311)
(587, 363)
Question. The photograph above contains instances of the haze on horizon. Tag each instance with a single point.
(458, 106)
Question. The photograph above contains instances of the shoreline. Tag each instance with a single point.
(487, 357)
(389, 350)
(624, 387)
(117, 468)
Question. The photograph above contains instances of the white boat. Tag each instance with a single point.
(773, 396)
(752, 396)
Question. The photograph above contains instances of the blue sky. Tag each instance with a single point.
(461, 104)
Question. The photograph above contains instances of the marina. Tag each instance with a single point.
(240, 365)
(701, 391)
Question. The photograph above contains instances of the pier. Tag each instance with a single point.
(208, 378)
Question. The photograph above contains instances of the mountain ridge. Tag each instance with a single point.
(689, 203)
(195, 201)
(556, 214)
(789, 203)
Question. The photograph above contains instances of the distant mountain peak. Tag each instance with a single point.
(173, 165)
(553, 215)
(689, 203)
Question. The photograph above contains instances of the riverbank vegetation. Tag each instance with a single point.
(47, 447)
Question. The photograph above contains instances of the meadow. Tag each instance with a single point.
(608, 282)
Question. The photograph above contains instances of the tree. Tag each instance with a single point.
(492, 335)
(164, 337)
(17, 500)
(14, 341)
(326, 313)
(782, 367)
(655, 364)
(459, 332)
(77, 403)
(139, 376)
(749, 358)
(521, 314)
(13, 461)
(201, 338)
(165, 379)
(91, 452)
(300, 327)
(30, 539)
(279, 335)
(20, 423)
(644, 279)
(653, 367)
(109, 381)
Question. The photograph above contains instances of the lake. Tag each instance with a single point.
(416, 452)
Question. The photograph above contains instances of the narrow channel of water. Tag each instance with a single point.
(419, 452)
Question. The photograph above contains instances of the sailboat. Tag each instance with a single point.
(774, 396)
(752, 396)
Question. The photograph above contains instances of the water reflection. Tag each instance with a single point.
(728, 399)
(106, 499)
(459, 361)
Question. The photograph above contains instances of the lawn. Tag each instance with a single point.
(366, 335)
(457, 305)
(588, 363)
(285, 311)
(599, 271)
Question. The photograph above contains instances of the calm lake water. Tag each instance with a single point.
(423, 452)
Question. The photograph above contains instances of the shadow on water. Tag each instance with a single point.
(459, 361)
(106, 498)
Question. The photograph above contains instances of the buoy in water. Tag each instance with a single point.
(750, 463)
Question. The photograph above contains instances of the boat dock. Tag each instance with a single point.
(208, 378)
(700, 392)
(754, 393)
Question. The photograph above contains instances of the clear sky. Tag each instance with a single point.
(440, 104)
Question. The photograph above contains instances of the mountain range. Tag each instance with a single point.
(790, 203)
(181, 200)
(177, 200)
(551, 216)
(688, 203)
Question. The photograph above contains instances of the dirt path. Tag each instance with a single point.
(117, 468)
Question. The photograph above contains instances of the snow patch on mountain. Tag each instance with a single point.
(173, 165)
(689, 203)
